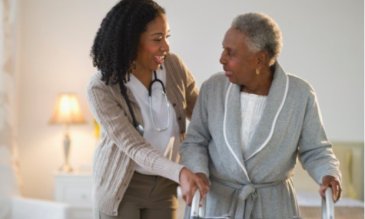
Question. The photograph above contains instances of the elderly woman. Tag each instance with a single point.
(251, 123)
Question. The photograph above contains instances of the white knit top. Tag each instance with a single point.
(252, 106)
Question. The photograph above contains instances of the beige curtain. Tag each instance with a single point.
(8, 109)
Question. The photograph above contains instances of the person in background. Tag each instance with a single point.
(250, 125)
(141, 97)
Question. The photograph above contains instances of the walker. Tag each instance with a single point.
(199, 212)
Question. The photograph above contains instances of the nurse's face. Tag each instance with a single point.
(153, 45)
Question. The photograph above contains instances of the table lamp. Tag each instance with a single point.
(67, 112)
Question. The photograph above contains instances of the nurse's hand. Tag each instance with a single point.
(190, 182)
(331, 181)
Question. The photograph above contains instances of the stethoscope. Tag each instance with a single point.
(138, 126)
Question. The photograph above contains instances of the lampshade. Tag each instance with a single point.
(67, 110)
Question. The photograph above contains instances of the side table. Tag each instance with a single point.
(75, 189)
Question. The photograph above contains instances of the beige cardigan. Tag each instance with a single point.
(121, 146)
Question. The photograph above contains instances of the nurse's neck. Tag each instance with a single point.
(143, 75)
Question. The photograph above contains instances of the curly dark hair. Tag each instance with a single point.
(116, 42)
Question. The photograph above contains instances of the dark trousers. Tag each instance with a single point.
(148, 197)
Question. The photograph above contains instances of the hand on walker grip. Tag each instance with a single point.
(333, 183)
(328, 209)
(189, 183)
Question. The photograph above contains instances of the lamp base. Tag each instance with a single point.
(66, 168)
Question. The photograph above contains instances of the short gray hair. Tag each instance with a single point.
(262, 32)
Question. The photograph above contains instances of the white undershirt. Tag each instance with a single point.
(252, 107)
(166, 141)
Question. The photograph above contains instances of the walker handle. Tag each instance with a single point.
(328, 211)
(196, 211)
(195, 205)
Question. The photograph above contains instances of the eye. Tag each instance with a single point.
(160, 38)
(228, 52)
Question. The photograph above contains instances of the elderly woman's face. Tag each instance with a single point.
(239, 63)
(153, 45)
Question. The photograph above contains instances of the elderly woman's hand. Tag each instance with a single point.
(331, 181)
(190, 182)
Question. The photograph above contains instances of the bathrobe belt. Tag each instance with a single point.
(245, 196)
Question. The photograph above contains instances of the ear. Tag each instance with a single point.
(262, 58)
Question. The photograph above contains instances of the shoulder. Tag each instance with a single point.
(96, 84)
(95, 80)
(173, 59)
(299, 89)
(295, 82)
(174, 63)
(299, 84)
(215, 85)
(217, 80)
(177, 70)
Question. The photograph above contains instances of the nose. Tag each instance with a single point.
(165, 47)
(222, 59)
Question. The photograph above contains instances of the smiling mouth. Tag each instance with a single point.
(160, 59)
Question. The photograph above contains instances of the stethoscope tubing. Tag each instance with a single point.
(156, 80)
(138, 126)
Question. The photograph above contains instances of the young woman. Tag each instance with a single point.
(141, 96)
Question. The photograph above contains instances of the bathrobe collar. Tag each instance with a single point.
(264, 131)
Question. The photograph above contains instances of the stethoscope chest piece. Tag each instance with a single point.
(140, 129)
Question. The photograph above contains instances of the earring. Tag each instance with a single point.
(257, 71)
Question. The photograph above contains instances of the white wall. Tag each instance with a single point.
(323, 43)
(54, 50)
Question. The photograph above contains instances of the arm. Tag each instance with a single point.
(111, 115)
(315, 151)
(194, 150)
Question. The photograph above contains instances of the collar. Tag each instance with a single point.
(265, 129)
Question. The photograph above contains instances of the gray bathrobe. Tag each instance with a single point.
(259, 186)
